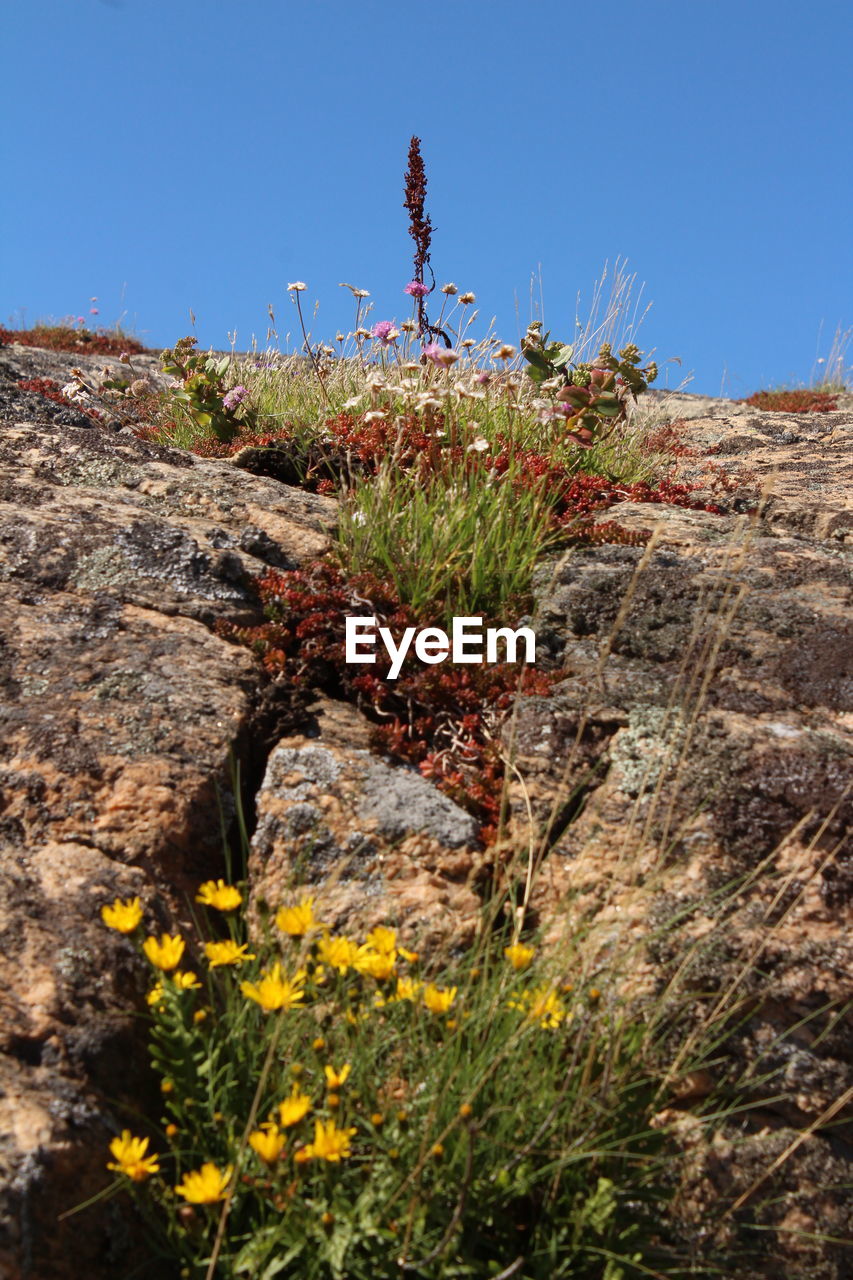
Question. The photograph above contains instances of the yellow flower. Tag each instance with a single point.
(132, 1160)
(298, 920)
(123, 916)
(205, 1185)
(438, 1000)
(227, 952)
(218, 894)
(155, 995)
(185, 980)
(274, 991)
(519, 955)
(165, 954)
(267, 1142)
(334, 1079)
(378, 964)
(294, 1108)
(542, 1005)
(382, 939)
(407, 989)
(337, 952)
(330, 1143)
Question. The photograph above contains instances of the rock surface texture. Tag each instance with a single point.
(688, 782)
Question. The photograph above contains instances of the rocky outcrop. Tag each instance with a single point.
(687, 784)
(691, 788)
(120, 713)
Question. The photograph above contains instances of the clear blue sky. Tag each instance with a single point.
(173, 154)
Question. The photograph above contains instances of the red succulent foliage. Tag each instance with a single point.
(442, 719)
(52, 391)
(802, 401)
(65, 338)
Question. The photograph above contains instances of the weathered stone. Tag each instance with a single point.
(690, 784)
(120, 712)
(374, 843)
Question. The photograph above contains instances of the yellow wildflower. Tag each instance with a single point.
(519, 955)
(275, 991)
(218, 894)
(378, 964)
(294, 1108)
(337, 951)
(123, 916)
(155, 995)
(330, 1143)
(267, 1142)
(407, 989)
(165, 954)
(542, 1005)
(226, 952)
(131, 1158)
(298, 920)
(205, 1185)
(438, 1000)
(185, 980)
(382, 939)
(334, 1079)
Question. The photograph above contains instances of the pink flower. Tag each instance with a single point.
(234, 397)
(416, 289)
(443, 357)
(93, 311)
(385, 332)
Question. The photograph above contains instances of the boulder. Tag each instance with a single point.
(373, 842)
(121, 713)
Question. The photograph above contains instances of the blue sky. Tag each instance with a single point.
(168, 155)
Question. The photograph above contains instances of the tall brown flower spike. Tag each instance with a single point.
(420, 229)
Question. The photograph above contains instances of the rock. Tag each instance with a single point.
(373, 842)
(120, 713)
(690, 784)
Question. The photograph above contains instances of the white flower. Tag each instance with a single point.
(478, 445)
(297, 286)
(358, 517)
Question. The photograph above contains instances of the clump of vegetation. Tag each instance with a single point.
(65, 336)
(802, 400)
(443, 720)
(336, 1107)
(200, 386)
(51, 390)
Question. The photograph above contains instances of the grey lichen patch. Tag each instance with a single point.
(648, 746)
(97, 472)
(101, 569)
(33, 686)
(317, 766)
(122, 685)
(400, 801)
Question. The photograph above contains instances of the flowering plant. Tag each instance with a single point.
(354, 1108)
(200, 387)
